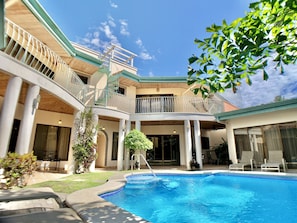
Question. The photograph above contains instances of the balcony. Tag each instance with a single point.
(27, 49)
(181, 104)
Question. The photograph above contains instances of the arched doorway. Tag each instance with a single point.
(101, 149)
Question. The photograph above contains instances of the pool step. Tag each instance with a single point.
(141, 181)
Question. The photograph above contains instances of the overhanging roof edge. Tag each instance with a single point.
(260, 109)
(37, 10)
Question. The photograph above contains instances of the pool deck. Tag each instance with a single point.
(91, 208)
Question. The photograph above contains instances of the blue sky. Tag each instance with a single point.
(160, 32)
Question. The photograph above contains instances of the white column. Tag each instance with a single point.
(197, 138)
(138, 125)
(231, 143)
(127, 150)
(70, 166)
(188, 143)
(95, 123)
(7, 113)
(25, 131)
(121, 144)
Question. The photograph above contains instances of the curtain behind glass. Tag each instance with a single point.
(51, 142)
(289, 140)
(242, 141)
(63, 143)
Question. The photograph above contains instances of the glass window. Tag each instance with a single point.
(84, 79)
(154, 103)
(120, 90)
(115, 140)
(51, 142)
(242, 141)
(266, 138)
(288, 133)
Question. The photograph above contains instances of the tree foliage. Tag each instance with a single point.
(236, 51)
(137, 140)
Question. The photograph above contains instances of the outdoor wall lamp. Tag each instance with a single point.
(35, 103)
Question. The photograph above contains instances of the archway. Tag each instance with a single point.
(101, 149)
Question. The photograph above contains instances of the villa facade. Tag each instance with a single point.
(46, 81)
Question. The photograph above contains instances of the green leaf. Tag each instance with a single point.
(193, 59)
(248, 80)
(265, 75)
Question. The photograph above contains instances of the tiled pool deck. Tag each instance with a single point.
(91, 208)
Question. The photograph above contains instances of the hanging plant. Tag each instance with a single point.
(84, 148)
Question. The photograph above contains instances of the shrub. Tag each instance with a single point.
(16, 167)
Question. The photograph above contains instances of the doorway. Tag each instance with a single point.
(165, 150)
(14, 135)
(101, 149)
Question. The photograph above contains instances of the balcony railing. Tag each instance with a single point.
(178, 104)
(26, 48)
(156, 104)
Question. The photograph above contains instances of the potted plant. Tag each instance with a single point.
(137, 141)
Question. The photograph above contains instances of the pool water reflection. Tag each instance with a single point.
(208, 198)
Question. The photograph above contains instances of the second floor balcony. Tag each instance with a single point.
(151, 104)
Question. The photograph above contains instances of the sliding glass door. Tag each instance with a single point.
(165, 150)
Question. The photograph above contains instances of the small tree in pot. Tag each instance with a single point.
(137, 141)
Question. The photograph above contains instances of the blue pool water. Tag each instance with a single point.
(209, 198)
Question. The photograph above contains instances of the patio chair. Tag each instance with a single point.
(275, 161)
(245, 161)
(213, 159)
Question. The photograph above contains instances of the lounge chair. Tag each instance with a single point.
(275, 161)
(60, 215)
(245, 161)
(30, 194)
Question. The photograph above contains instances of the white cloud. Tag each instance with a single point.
(263, 92)
(151, 74)
(139, 42)
(113, 5)
(96, 42)
(144, 54)
(124, 27)
(111, 21)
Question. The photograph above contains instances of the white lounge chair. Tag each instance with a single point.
(245, 161)
(275, 161)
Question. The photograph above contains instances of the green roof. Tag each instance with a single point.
(261, 109)
(140, 79)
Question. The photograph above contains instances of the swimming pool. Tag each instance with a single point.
(209, 198)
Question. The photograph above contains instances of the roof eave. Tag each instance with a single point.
(39, 12)
(256, 110)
